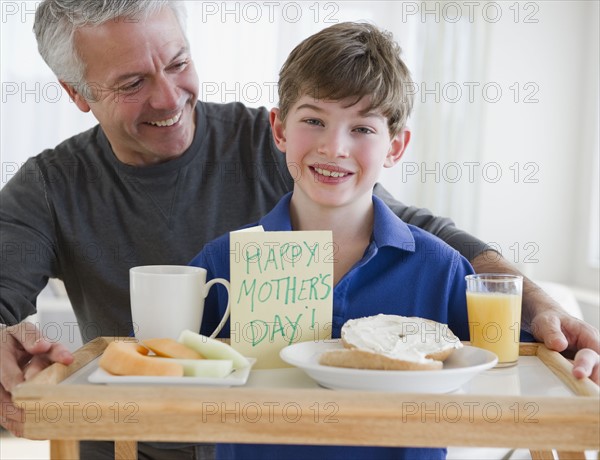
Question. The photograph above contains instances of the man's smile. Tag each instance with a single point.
(169, 122)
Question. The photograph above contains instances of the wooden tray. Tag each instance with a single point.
(69, 412)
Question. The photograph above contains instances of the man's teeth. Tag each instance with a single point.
(328, 173)
(169, 122)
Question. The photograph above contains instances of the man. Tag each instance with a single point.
(159, 177)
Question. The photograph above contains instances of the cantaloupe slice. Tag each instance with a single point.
(169, 348)
(129, 358)
(212, 349)
(217, 368)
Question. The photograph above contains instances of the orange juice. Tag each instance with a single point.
(495, 323)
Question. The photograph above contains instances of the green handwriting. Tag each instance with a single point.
(288, 290)
(279, 257)
(260, 330)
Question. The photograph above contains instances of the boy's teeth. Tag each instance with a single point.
(169, 122)
(328, 173)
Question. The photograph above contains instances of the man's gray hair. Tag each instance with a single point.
(56, 22)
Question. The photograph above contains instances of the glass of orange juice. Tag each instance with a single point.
(494, 310)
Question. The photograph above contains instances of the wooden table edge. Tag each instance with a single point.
(56, 373)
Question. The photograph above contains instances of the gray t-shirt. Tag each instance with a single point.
(77, 213)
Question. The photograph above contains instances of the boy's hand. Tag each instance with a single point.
(23, 353)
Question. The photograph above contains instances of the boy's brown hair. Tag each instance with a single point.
(349, 60)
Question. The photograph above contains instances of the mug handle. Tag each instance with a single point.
(207, 287)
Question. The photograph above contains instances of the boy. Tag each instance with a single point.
(342, 118)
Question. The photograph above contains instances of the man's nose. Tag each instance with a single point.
(165, 95)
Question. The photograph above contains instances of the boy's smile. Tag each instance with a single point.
(328, 173)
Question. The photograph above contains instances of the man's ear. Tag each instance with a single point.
(397, 148)
(278, 129)
(77, 98)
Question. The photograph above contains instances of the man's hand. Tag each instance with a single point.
(23, 353)
(564, 333)
(547, 320)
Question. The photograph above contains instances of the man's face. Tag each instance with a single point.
(143, 85)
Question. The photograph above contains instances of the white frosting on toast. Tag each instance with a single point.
(399, 337)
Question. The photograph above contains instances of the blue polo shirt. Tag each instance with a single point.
(404, 271)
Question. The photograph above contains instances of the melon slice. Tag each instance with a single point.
(212, 349)
(169, 348)
(129, 358)
(217, 368)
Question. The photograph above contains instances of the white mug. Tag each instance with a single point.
(167, 299)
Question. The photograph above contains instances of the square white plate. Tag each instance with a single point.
(236, 378)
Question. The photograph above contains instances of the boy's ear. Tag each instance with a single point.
(77, 98)
(397, 148)
(278, 129)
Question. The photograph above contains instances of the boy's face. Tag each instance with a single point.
(335, 151)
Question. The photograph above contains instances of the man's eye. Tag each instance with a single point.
(179, 65)
(129, 87)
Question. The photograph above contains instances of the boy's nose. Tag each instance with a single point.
(334, 145)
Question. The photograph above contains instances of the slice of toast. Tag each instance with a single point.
(393, 342)
(361, 359)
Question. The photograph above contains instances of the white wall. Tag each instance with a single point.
(552, 137)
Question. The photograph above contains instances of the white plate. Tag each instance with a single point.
(236, 378)
(458, 369)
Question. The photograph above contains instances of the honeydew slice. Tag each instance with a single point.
(217, 368)
(212, 349)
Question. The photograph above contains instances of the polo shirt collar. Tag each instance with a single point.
(278, 219)
(388, 229)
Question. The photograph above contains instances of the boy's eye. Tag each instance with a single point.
(313, 121)
(364, 130)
